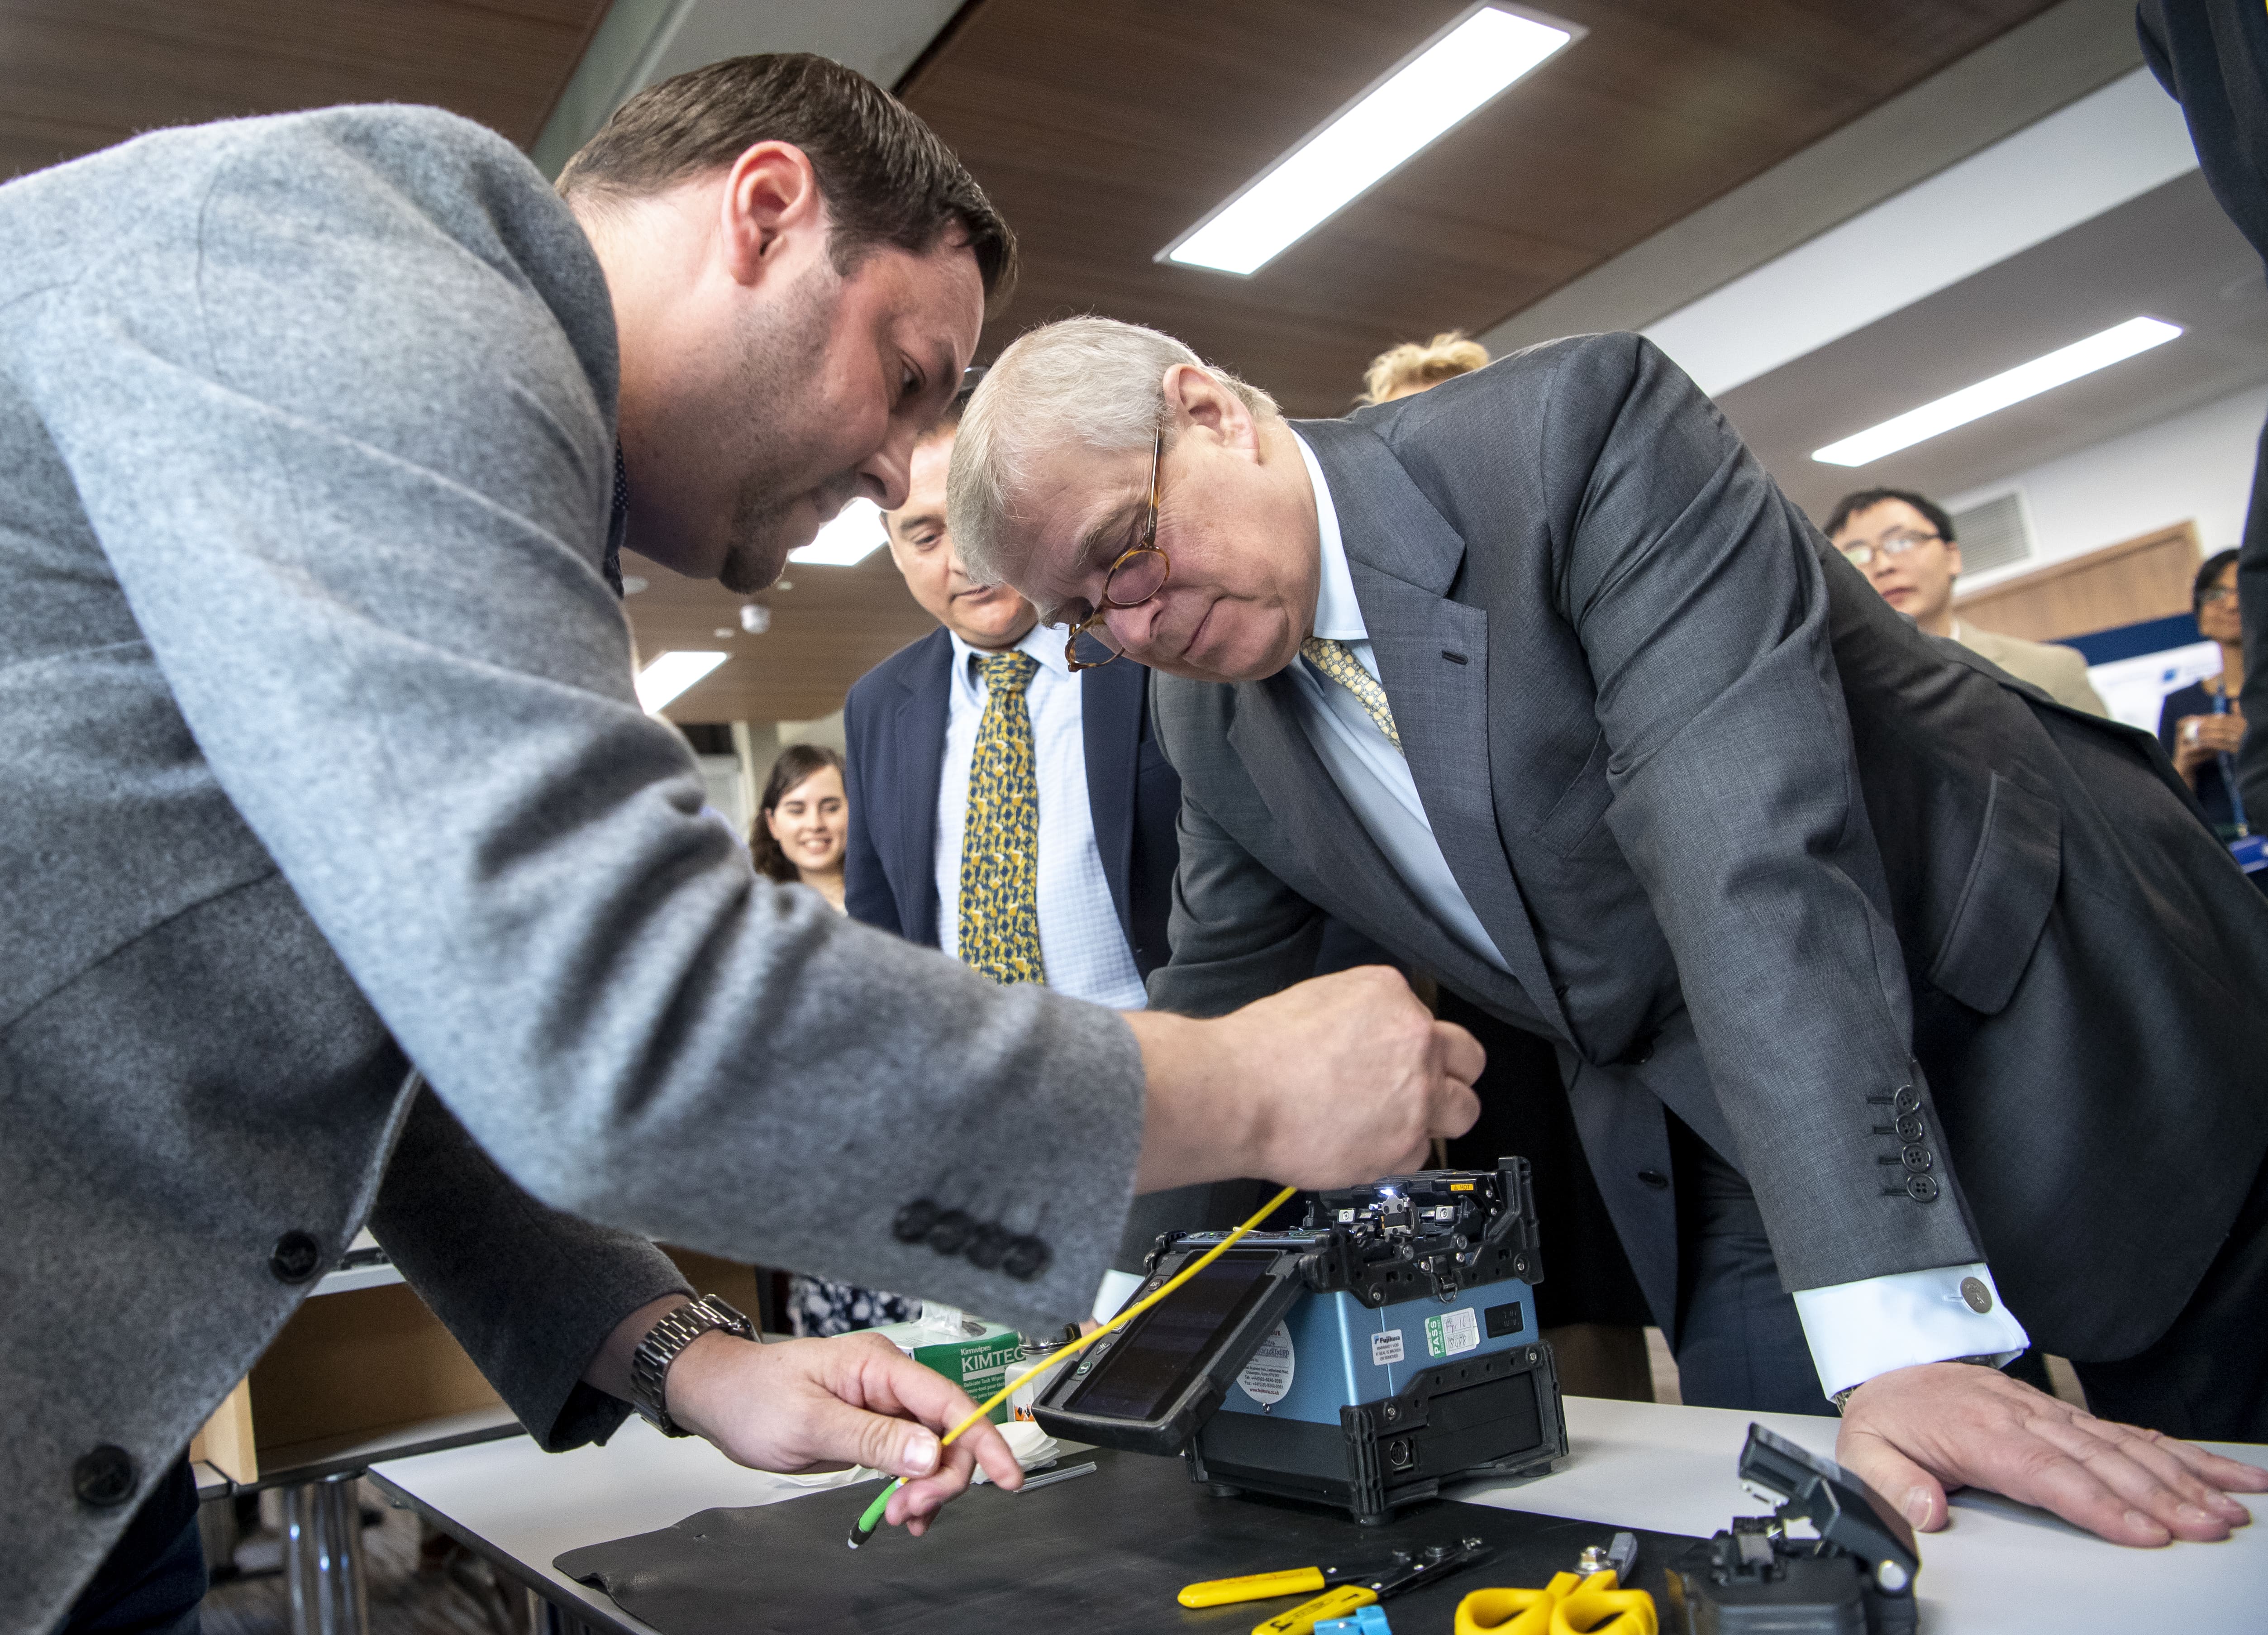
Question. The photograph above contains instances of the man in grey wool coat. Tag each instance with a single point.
(323, 759)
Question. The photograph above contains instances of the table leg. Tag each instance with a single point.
(323, 1558)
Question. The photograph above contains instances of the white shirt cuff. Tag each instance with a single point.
(1116, 1285)
(1857, 1331)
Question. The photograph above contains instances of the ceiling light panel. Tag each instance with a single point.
(1448, 78)
(671, 674)
(2113, 345)
(851, 538)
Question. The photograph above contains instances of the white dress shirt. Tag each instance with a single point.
(1081, 942)
(1855, 1330)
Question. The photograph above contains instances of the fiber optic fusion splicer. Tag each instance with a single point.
(1385, 1346)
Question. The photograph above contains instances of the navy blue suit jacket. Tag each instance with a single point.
(895, 724)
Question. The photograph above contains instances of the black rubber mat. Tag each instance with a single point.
(1098, 1553)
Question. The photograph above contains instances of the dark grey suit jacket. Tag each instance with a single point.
(1865, 912)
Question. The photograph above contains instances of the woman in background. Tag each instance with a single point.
(1406, 370)
(798, 839)
(805, 822)
(2202, 725)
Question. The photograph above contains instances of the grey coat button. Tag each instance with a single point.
(1916, 1158)
(104, 1477)
(987, 1245)
(296, 1258)
(1979, 1297)
(913, 1222)
(1921, 1188)
(950, 1231)
(1026, 1259)
(1907, 1099)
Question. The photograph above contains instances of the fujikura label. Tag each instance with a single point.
(1453, 1333)
(1385, 1349)
(1267, 1378)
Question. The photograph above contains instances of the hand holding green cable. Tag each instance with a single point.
(872, 1517)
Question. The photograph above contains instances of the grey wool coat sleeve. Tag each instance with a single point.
(336, 395)
(529, 1293)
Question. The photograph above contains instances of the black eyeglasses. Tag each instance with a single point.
(1136, 575)
(1889, 545)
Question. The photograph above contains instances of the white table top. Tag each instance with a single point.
(1999, 1568)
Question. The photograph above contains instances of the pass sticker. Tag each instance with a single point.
(1451, 1335)
(1267, 1378)
(1385, 1348)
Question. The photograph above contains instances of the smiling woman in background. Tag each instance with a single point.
(799, 831)
(799, 835)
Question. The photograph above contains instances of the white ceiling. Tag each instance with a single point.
(878, 38)
(2168, 254)
(643, 42)
(2106, 148)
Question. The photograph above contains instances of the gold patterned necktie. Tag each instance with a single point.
(1000, 840)
(1336, 660)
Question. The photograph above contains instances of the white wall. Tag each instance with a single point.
(2195, 467)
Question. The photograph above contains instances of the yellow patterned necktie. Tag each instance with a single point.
(1000, 840)
(1336, 660)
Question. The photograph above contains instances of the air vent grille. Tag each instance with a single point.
(1993, 533)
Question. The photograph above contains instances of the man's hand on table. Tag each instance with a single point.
(1914, 1433)
(795, 1405)
(1334, 1081)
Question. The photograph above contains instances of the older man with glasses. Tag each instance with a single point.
(1903, 543)
(1866, 966)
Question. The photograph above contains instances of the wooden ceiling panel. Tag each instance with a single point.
(1104, 131)
(78, 75)
(829, 629)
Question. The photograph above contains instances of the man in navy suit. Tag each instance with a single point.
(1108, 797)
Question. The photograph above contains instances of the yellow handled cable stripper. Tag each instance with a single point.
(1345, 1590)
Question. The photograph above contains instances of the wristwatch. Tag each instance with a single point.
(663, 1344)
(1843, 1397)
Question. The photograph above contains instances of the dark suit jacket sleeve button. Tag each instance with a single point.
(914, 1221)
(1921, 1188)
(987, 1245)
(1653, 1178)
(104, 1477)
(1026, 1259)
(1638, 1055)
(951, 1230)
(296, 1258)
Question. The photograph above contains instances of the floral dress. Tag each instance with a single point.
(817, 1307)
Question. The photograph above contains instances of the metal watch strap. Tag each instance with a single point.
(1842, 1397)
(662, 1345)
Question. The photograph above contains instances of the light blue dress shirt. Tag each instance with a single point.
(1082, 943)
(1855, 1330)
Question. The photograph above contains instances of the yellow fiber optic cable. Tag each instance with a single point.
(872, 1518)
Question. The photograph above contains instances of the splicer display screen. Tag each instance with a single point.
(1160, 1351)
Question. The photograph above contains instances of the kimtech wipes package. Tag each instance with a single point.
(978, 1357)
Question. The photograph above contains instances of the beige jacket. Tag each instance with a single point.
(2058, 671)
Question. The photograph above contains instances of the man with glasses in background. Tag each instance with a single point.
(1905, 544)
